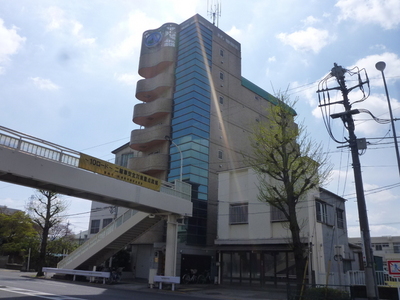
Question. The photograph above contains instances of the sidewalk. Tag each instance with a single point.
(232, 292)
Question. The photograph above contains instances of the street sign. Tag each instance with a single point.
(394, 267)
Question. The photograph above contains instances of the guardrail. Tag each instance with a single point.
(91, 274)
(382, 278)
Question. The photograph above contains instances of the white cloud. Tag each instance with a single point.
(311, 39)
(58, 22)
(385, 195)
(10, 42)
(310, 20)
(378, 47)
(378, 106)
(272, 59)
(127, 35)
(235, 33)
(392, 70)
(44, 84)
(383, 12)
(128, 78)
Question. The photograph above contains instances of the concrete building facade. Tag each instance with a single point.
(254, 239)
(196, 115)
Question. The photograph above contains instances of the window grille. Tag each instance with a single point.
(239, 213)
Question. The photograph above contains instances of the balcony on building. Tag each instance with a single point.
(146, 113)
(143, 139)
(152, 64)
(150, 89)
(149, 163)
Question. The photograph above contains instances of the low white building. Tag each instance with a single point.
(386, 247)
(254, 240)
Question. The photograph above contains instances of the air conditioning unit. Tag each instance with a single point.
(339, 252)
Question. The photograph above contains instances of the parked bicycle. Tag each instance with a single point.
(115, 275)
(204, 277)
(190, 278)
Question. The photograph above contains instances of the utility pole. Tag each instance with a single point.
(347, 117)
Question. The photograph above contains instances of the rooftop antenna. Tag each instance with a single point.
(215, 11)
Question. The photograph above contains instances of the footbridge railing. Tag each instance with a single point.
(37, 147)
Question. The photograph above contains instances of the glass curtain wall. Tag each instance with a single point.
(191, 123)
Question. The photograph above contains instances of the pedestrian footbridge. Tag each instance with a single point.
(32, 162)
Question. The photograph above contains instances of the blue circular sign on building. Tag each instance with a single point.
(153, 39)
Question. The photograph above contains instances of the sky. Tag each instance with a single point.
(68, 73)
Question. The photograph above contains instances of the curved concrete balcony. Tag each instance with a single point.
(142, 139)
(150, 89)
(154, 162)
(145, 113)
(152, 64)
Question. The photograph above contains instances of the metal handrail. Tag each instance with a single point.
(29, 144)
(96, 238)
(22, 142)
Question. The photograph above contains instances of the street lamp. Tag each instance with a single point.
(380, 66)
(168, 138)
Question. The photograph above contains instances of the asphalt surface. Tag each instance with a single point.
(231, 292)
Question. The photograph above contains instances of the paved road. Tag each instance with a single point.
(24, 286)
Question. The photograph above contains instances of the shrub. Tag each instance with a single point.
(325, 293)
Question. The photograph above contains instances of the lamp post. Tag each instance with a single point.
(168, 138)
(380, 66)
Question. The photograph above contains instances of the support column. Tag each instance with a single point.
(171, 245)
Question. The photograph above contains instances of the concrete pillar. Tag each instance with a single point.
(171, 245)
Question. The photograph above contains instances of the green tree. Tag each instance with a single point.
(289, 165)
(45, 209)
(16, 233)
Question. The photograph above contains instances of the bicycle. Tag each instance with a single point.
(204, 277)
(188, 278)
(115, 276)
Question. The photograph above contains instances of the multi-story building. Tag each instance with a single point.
(196, 115)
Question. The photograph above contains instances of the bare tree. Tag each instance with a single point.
(289, 165)
(45, 209)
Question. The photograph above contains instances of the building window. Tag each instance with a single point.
(221, 75)
(107, 221)
(221, 52)
(220, 154)
(379, 247)
(322, 212)
(239, 213)
(277, 215)
(95, 226)
(340, 218)
(123, 159)
(396, 247)
(221, 100)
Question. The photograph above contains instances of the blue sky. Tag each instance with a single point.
(68, 72)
